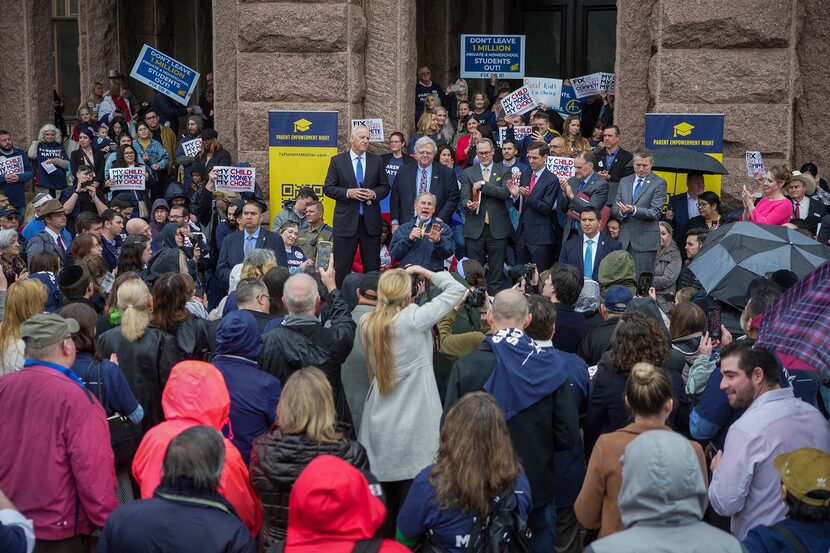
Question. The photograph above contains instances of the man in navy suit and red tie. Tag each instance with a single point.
(586, 251)
(535, 197)
(356, 180)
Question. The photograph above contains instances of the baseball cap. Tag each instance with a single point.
(805, 471)
(369, 285)
(46, 329)
(617, 298)
(8, 211)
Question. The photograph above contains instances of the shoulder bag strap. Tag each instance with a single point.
(100, 386)
(790, 538)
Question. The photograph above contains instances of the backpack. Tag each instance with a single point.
(503, 531)
(362, 546)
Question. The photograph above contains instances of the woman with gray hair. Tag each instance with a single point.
(667, 267)
(186, 513)
(51, 160)
(14, 268)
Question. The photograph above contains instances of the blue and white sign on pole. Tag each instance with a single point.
(485, 55)
(161, 72)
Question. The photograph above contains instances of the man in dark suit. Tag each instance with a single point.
(805, 207)
(611, 159)
(237, 245)
(427, 175)
(586, 183)
(683, 207)
(53, 238)
(487, 226)
(638, 205)
(535, 197)
(356, 180)
(586, 252)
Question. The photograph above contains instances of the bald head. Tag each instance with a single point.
(510, 310)
(300, 295)
(139, 226)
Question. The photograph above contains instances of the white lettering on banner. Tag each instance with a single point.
(521, 131)
(235, 179)
(191, 147)
(518, 102)
(562, 167)
(128, 178)
(587, 85)
(12, 165)
(375, 128)
(754, 162)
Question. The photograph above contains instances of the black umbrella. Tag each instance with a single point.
(737, 253)
(684, 160)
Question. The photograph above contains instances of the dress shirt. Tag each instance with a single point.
(691, 206)
(362, 158)
(54, 237)
(488, 168)
(246, 235)
(745, 484)
(610, 157)
(585, 239)
(803, 207)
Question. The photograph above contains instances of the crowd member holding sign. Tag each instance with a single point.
(356, 180)
(585, 188)
(126, 157)
(774, 208)
(212, 153)
(87, 155)
(15, 171)
(612, 160)
(51, 159)
(638, 206)
(188, 148)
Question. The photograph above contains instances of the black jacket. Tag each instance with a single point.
(547, 426)
(146, 363)
(596, 341)
(277, 461)
(297, 344)
(192, 339)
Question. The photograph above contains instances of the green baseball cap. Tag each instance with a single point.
(805, 471)
(46, 329)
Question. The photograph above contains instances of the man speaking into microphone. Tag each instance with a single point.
(424, 240)
(535, 196)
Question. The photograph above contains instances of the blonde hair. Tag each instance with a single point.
(648, 389)
(394, 294)
(307, 406)
(258, 262)
(781, 173)
(424, 123)
(24, 299)
(133, 298)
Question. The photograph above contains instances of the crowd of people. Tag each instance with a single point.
(480, 363)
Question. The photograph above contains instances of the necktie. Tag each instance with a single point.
(581, 186)
(359, 175)
(798, 210)
(588, 263)
(636, 191)
(532, 181)
(423, 186)
(485, 176)
(61, 247)
(249, 244)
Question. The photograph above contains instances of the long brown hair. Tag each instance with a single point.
(307, 406)
(169, 301)
(476, 460)
(394, 293)
(638, 338)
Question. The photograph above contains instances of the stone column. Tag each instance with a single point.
(27, 69)
(99, 42)
(812, 131)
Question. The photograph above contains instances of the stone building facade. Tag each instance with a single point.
(763, 64)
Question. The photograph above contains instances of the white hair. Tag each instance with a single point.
(49, 127)
(6, 237)
(426, 141)
(359, 127)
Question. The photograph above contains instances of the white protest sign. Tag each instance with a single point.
(518, 102)
(127, 178)
(587, 85)
(754, 162)
(11, 165)
(562, 167)
(546, 91)
(521, 131)
(191, 147)
(375, 128)
(235, 179)
(608, 82)
(502, 135)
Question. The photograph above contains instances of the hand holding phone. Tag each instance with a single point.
(323, 254)
(644, 283)
(713, 323)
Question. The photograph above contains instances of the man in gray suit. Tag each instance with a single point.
(586, 182)
(638, 206)
(487, 227)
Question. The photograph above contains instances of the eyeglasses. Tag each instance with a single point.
(426, 154)
(487, 153)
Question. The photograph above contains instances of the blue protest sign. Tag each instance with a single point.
(697, 131)
(161, 72)
(484, 55)
(569, 104)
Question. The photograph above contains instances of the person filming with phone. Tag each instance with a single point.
(424, 240)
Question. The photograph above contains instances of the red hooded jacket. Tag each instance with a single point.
(196, 394)
(331, 508)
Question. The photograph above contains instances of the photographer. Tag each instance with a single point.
(85, 196)
(462, 329)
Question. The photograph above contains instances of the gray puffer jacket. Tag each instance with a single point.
(662, 500)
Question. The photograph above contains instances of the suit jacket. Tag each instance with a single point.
(571, 252)
(405, 189)
(42, 242)
(679, 204)
(641, 229)
(340, 178)
(232, 251)
(619, 168)
(815, 211)
(536, 217)
(493, 194)
(596, 189)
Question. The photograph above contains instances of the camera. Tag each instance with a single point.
(475, 298)
(518, 272)
(417, 280)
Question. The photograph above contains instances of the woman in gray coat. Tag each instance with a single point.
(401, 418)
(666, 268)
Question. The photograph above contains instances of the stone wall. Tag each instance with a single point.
(352, 57)
(99, 42)
(748, 60)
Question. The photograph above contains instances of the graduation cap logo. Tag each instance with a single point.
(682, 129)
(302, 125)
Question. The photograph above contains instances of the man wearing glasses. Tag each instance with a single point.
(165, 136)
(487, 226)
(427, 175)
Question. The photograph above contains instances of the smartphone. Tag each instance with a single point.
(323, 254)
(199, 237)
(644, 283)
(713, 323)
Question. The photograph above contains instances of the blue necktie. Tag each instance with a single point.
(636, 191)
(359, 174)
(249, 244)
(588, 264)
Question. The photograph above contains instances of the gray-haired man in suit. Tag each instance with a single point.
(586, 182)
(638, 206)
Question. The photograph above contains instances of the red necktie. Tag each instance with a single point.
(798, 210)
(532, 181)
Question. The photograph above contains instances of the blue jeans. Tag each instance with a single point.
(542, 522)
